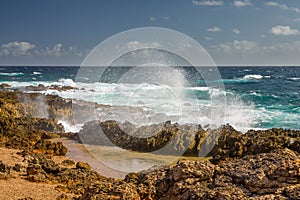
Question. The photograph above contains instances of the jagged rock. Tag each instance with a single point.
(5, 170)
(68, 162)
(274, 175)
(83, 165)
(63, 197)
(4, 167)
(20, 167)
(19, 128)
(232, 144)
(47, 147)
(4, 85)
(173, 138)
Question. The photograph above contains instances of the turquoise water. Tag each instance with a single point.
(257, 97)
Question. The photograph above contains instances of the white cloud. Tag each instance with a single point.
(237, 47)
(275, 4)
(208, 38)
(152, 19)
(17, 48)
(240, 4)
(208, 3)
(297, 10)
(244, 52)
(56, 51)
(284, 30)
(262, 36)
(133, 45)
(214, 29)
(244, 45)
(282, 6)
(236, 31)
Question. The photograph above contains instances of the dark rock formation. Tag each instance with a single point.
(173, 138)
(272, 175)
(4, 85)
(19, 128)
(222, 144)
(232, 144)
(262, 164)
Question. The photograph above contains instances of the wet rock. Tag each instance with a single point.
(62, 88)
(40, 87)
(4, 85)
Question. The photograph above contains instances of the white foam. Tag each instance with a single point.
(66, 82)
(294, 78)
(253, 76)
(12, 74)
(157, 100)
(70, 128)
(37, 73)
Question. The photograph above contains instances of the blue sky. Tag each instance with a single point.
(62, 32)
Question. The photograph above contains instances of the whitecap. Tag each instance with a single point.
(69, 127)
(253, 76)
(66, 82)
(294, 79)
(36, 73)
(12, 74)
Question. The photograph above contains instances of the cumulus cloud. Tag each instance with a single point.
(284, 30)
(214, 29)
(17, 48)
(237, 46)
(236, 31)
(245, 52)
(208, 38)
(152, 19)
(282, 6)
(240, 4)
(133, 45)
(208, 3)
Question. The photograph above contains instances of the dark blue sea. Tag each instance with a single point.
(256, 97)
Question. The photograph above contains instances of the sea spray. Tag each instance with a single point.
(38, 102)
(69, 127)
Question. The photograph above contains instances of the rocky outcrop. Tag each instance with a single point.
(273, 175)
(263, 164)
(5, 170)
(20, 129)
(221, 144)
(232, 144)
(173, 138)
(4, 86)
(42, 87)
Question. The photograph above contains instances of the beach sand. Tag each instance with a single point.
(18, 187)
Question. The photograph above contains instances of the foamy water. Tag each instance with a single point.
(256, 98)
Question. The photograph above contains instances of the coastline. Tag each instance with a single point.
(255, 165)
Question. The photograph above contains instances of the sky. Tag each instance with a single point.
(63, 32)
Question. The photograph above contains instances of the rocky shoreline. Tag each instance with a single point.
(262, 164)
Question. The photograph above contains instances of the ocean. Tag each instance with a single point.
(256, 97)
